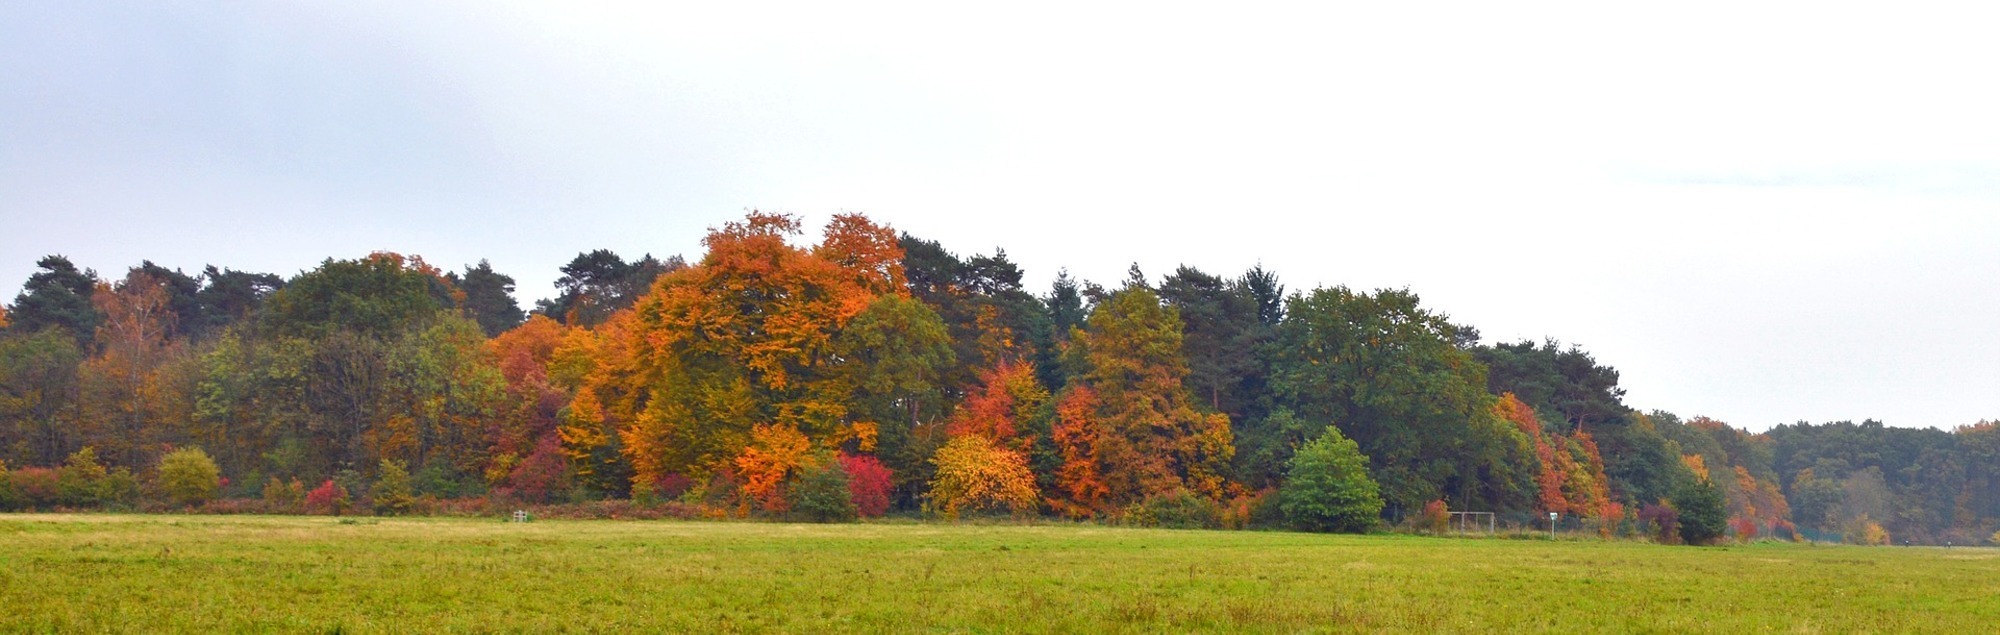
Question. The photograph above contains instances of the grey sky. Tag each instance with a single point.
(1761, 213)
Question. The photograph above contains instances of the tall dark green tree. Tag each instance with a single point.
(228, 296)
(1221, 328)
(598, 283)
(1066, 311)
(183, 294)
(489, 298)
(1264, 289)
(990, 316)
(1230, 324)
(1552, 379)
(56, 296)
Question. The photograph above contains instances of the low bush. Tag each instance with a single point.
(188, 477)
(1702, 513)
(1662, 522)
(35, 487)
(1265, 511)
(1434, 519)
(78, 482)
(281, 497)
(1180, 510)
(820, 494)
(391, 493)
(119, 489)
(329, 499)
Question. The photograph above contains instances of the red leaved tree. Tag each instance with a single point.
(869, 483)
(329, 499)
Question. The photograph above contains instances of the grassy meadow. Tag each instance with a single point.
(127, 573)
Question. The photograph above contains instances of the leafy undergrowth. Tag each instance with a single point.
(126, 573)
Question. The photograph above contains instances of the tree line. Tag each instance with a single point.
(875, 372)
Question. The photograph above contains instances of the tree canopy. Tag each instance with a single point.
(770, 375)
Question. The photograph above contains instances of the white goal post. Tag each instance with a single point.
(1465, 522)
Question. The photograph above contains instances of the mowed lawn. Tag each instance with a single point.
(120, 573)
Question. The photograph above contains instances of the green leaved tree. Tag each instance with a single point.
(1327, 487)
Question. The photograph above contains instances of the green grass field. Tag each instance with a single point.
(111, 573)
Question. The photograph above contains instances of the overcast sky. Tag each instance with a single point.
(1758, 213)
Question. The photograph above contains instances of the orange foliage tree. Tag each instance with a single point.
(1008, 394)
(1571, 479)
(1079, 485)
(1755, 504)
(747, 337)
(774, 454)
(1143, 438)
(124, 387)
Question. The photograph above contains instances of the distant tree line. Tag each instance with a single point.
(874, 372)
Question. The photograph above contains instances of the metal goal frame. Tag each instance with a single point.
(1464, 521)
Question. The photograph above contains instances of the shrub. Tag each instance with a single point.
(283, 497)
(721, 492)
(1266, 512)
(391, 493)
(329, 499)
(79, 479)
(868, 484)
(1744, 528)
(1239, 512)
(645, 493)
(974, 475)
(1179, 510)
(666, 488)
(1661, 522)
(8, 500)
(1995, 538)
(1865, 531)
(436, 478)
(188, 477)
(604, 509)
(350, 485)
(1327, 487)
(1435, 518)
(118, 488)
(1702, 515)
(820, 492)
(36, 487)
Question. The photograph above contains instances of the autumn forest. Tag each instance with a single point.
(878, 373)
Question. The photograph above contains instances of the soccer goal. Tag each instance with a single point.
(1469, 522)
